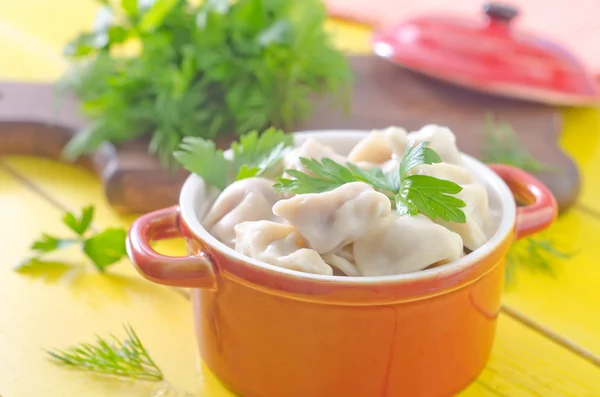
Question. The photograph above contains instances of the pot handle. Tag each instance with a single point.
(183, 271)
(540, 208)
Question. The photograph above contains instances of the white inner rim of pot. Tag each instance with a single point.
(195, 201)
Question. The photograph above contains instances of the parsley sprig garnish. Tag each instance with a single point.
(411, 194)
(253, 155)
(103, 248)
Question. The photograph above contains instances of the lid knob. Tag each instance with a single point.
(498, 11)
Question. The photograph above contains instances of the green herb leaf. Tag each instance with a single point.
(201, 157)
(433, 197)
(155, 15)
(130, 6)
(260, 151)
(87, 44)
(125, 358)
(48, 243)
(82, 224)
(47, 270)
(328, 175)
(376, 177)
(417, 155)
(404, 206)
(117, 34)
(106, 247)
(247, 172)
(254, 155)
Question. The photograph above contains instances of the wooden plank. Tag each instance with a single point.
(523, 362)
(566, 301)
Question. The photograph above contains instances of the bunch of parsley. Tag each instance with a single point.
(202, 70)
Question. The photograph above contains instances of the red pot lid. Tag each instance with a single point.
(489, 55)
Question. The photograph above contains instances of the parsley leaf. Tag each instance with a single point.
(376, 177)
(48, 243)
(328, 175)
(201, 157)
(102, 248)
(433, 197)
(260, 152)
(106, 247)
(411, 194)
(254, 155)
(81, 225)
(417, 155)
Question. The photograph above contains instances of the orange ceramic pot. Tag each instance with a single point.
(272, 332)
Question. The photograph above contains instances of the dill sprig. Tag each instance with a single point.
(537, 254)
(125, 358)
(502, 145)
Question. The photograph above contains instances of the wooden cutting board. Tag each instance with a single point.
(31, 123)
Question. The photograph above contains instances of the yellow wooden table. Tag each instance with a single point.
(548, 339)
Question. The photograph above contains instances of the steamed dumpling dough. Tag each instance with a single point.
(312, 149)
(440, 139)
(279, 245)
(403, 244)
(376, 148)
(477, 213)
(248, 199)
(344, 261)
(330, 220)
(450, 172)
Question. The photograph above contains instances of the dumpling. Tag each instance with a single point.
(343, 261)
(403, 244)
(477, 213)
(376, 148)
(248, 199)
(329, 221)
(312, 149)
(440, 139)
(473, 194)
(450, 172)
(279, 245)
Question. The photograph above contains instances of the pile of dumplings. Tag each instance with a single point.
(352, 230)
